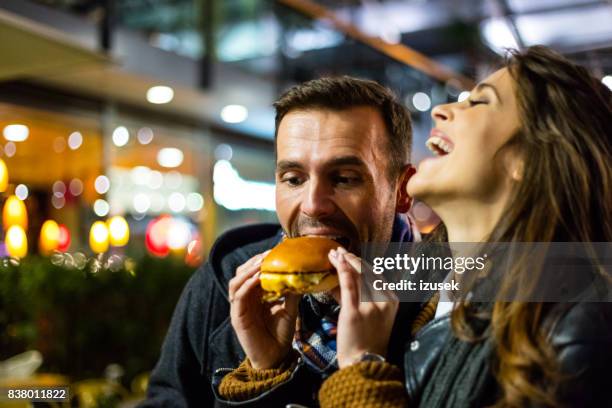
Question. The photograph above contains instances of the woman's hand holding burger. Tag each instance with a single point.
(362, 326)
(265, 330)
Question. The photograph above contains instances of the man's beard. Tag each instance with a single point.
(339, 222)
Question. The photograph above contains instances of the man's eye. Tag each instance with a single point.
(473, 102)
(346, 180)
(292, 181)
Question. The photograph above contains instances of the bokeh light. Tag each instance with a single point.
(21, 191)
(16, 242)
(49, 237)
(119, 231)
(64, 238)
(14, 213)
(98, 237)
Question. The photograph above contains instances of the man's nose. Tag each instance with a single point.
(317, 200)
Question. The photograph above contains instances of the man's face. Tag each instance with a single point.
(331, 176)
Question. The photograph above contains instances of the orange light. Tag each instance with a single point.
(16, 242)
(195, 253)
(49, 237)
(98, 237)
(3, 176)
(14, 213)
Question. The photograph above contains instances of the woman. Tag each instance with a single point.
(526, 158)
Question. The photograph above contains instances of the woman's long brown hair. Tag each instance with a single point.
(565, 195)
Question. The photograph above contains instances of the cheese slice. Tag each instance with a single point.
(279, 283)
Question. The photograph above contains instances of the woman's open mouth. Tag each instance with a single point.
(439, 146)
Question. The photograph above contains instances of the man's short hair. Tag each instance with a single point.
(340, 93)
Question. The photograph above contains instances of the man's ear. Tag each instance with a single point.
(404, 201)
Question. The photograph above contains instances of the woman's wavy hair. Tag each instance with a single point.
(565, 195)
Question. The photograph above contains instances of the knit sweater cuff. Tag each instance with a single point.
(366, 384)
(245, 382)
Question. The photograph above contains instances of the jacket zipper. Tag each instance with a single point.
(218, 370)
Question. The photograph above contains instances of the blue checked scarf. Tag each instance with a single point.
(315, 335)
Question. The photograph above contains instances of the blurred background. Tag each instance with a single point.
(134, 132)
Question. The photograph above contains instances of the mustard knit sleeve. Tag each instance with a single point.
(368, 384)
(245, 382)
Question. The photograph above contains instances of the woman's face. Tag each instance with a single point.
(466, 141)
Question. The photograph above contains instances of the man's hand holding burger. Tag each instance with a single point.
(266, 290)
(265, 330)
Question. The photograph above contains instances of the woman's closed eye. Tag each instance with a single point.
(474, 102)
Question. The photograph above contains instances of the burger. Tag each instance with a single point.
(298, 265)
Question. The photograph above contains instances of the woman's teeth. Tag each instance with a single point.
(438, 146)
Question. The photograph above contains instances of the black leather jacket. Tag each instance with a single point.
(582, 338)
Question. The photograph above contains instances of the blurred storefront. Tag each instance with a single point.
(66, 170)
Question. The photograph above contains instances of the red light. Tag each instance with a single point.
(64, 238)
(195, 255)
(156, 236)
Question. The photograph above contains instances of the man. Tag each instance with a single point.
(342, 146)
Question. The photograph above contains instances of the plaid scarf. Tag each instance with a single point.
(315, 334)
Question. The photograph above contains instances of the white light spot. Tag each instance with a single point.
(497, 35)
(463, 96)
(145, 135)
(102, 184)
(140, 175)
(234, 193)
(391, 35)
(224, 152)
(16, 133)
(75, 140)
(21, 191)
(121, 136)
(160, 94)
(234, 113)
(607, 81)
(421, 101)
(101, 208)
(195, 202)
(170, 157)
